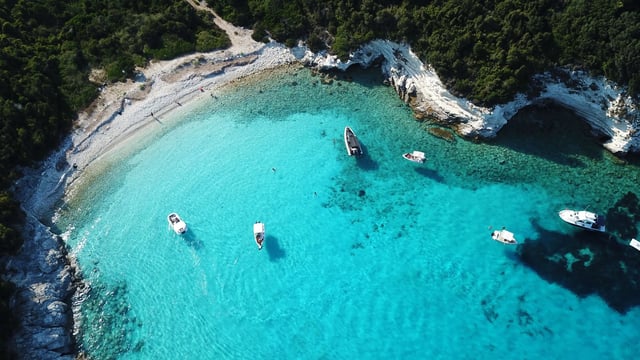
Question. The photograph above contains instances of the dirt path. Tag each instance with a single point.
(160, 73)
(240, 38)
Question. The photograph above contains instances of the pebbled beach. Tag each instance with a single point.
(126, 109)
(49, 283)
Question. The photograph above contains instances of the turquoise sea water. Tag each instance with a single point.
(372, 258)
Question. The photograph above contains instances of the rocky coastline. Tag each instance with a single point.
(50, 288)
(47, 277)
(46, 281)
(612, 114)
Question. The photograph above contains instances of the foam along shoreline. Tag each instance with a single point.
(44, 272)
(126, 108)
(608, 109)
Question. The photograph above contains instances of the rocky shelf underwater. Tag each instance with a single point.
(609, 269)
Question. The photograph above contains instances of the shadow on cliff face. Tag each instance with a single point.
(589, 263)
(366, 77)
(551, 132)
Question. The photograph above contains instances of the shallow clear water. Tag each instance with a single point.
(364, 258)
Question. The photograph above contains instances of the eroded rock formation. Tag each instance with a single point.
(612, 114)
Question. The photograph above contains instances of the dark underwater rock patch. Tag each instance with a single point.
(107, 316)
(587, 264)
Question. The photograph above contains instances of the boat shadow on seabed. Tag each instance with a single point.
(192, 240)
(365, 162)
(430, 173)
(273, 248)
(590, 263)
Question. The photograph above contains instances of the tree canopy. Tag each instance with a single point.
(484, 50)
(47, 51)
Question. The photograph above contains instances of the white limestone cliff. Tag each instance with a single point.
(607, 108)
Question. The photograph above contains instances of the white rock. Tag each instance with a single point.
(603, 104)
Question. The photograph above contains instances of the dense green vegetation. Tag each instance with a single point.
(8, 319)
(484, 50)
(603, 36)
(48, 49)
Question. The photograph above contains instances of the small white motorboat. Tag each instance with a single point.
(176, 223)
(351, 142)
(583, 219)
(635, 244)
(258, 234)
(415, 156)
(504, 236)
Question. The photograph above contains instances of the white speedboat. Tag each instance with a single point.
(258, 234)
(504, 236)
(415, 156)
(351, 142)
(635, 244)
(583, 219)
(176, 223)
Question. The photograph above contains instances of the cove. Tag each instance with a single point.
(375, 257)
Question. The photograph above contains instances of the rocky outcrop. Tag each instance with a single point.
(610, 111)
(44, 280)
(42, 271)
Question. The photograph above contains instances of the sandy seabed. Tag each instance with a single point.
(127, 110)
(123, 113)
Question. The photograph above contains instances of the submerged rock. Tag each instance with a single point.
(586, 264)
(45, 282)
(442, 134)
(612, 114)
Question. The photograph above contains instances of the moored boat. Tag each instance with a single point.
(258, 234)
(415, 156)
(635, 244)
(504, 236)
(176, 223)
(351, 142)
(583, 219)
